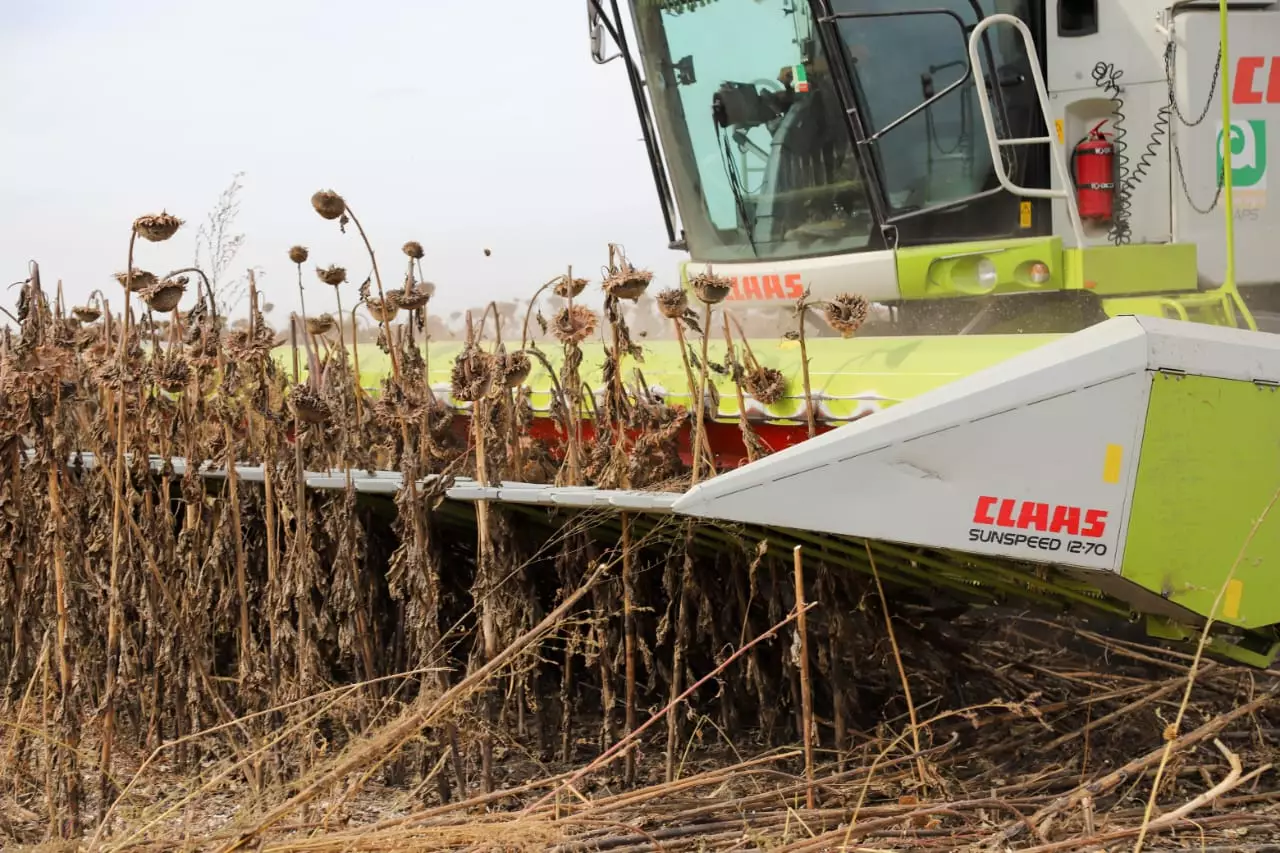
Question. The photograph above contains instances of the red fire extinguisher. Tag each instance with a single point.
(1093, 165)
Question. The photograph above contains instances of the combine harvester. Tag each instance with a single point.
(1071, 397)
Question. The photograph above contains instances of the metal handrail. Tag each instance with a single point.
(993, 139)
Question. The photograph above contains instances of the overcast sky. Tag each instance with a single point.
(465, 124)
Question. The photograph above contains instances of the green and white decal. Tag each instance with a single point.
(1248, 141)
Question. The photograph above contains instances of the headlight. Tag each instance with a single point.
(987, 276)
(1035, 273)
(974, 275)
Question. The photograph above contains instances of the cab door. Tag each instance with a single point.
(920, 130)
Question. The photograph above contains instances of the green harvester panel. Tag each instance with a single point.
(845, 371)
(923, 271)
(1209, 467)
(1138, 270)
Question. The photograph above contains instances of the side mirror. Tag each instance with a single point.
(596, 33)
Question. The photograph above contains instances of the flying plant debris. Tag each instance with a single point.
(188, 644)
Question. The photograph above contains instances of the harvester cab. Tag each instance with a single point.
(1037, 195)
(975, 166)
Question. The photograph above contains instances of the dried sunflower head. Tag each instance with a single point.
(766, 384)
(413, 249)
(329, 204)
(174, 375)
(203, 349)
(515, 368)
(567, 289)
(87, 337)
(574, 325)
(141, 280)
(157, 227)
(397, 403)
(299, 254)
(384, 310)
(472, 374)
(321, 325)
(846, 313)
(416, 296)
(248, 343)
(308, 405)
(86, 313)
(627, 283)
(165, 296)
(673, 302)
(332, 275)
(711, 289)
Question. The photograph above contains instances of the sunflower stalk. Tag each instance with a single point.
(749, 439)
(573, 388)
(806, 688)
(355, 366)
(484, 558)
(377, 279)
(268, 483)
(683, 593)
(614, 311)
(700, 404)
(105, 795)
(810, 415)
(299, 255)
(57, 475)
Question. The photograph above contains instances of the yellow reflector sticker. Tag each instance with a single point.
(1111, 463)
(1024, 217)
(1231, 600)
(1061, 135)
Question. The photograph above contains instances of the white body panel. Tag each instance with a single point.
(1127, 35)
(1129, 39)
(1253, 34)
(1132, 38)
(1150, 219)
(1059, 426)
(872, 274)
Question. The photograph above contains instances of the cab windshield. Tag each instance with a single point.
(761, 159)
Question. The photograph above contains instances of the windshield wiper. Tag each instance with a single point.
(739, 192)
(739, 106)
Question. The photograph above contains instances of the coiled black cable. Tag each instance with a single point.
(1107, 76)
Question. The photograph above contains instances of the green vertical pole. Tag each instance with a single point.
(1228, 194)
